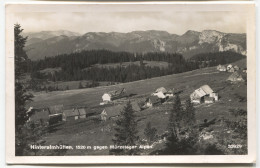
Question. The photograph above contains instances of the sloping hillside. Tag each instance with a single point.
(90, 133)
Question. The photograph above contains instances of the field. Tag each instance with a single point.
(90, 132)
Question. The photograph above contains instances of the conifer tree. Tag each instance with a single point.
(21, 95)
(126, 131)
(176, 115)
(189, 113)
(150, 133)
(172, 143)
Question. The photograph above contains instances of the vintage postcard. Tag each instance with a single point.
(130, 83)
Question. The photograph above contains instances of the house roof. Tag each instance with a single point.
(235, 76)
(39, 114)
(56, 109)
(206, 89)
(116, 92)
(104, 112)
(82, 111)
(159, 95)
(135, 106)
(114, 110)
(71, 112)
(161, 89)
(221, 67)
(200, 92)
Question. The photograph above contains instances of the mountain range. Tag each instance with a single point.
(51, 43)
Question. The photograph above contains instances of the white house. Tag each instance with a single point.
(204, 93)
(112, 95)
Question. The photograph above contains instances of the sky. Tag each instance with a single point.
(175, 22)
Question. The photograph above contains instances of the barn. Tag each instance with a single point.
(112, 112)
(201, 94)
(115, 94)
(70, 115)
(39, 115)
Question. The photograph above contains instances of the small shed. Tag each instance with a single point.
(103, 115)
(236, 77)
(229, 66)
(236, 68)
(70, 115)
(214, 95)
(152, 100)
(112, 95)
(221, 68)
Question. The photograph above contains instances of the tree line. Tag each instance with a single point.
(80, 66)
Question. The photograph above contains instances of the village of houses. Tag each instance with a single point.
(113, 102)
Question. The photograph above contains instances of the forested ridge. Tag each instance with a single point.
(80, 66)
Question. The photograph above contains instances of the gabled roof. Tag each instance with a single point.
(135, 106)
(116, 92)
(40, 114)
(161, 89)
(159, 95)
(82, 111)
(104, 112)
(236, 76)
(114, 110)
(221, 67)
(56, 109)
(206, 89)
(71, 112)
(200, 92)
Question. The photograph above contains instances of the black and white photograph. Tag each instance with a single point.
(131, 79)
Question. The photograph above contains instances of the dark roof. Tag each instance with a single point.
(114, 110)
(82, 111)
(39, 114)
(153, 99)
(70, 112)
(135, 106)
